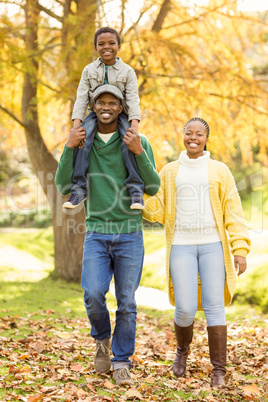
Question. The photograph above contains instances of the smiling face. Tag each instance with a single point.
(107, 108)
(195, 139)
(107, 46)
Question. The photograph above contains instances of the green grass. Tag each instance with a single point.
(153, 273)
(151, 277)
(154, 238)
(253, 290)
(39, 243)
(34, 305)
(47, 296)
(33, 291)
(255, 206)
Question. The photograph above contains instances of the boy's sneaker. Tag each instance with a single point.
(122, 376)
(137, 202)
(74, 201)
(102, 361)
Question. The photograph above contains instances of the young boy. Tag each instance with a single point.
(107, 69)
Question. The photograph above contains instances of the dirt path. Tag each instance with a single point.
(22, 265)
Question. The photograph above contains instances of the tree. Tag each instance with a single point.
(198, 63)
(35, 42)
(43, 49)
(189, 61)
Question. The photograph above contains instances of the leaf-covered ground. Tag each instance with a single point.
(51, 359)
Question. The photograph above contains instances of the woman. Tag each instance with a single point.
(199, 204)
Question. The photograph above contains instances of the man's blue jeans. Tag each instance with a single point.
(185, 264)
(133, 182)
(106, 255)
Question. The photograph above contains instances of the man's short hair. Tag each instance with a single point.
(107, 88)
(105, 30)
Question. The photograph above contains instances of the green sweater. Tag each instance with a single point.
(107, 209)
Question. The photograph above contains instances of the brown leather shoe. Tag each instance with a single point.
(184, 336)
(122, 376)
(217, 342)
(102, 360)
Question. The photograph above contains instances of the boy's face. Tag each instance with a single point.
(107, 47)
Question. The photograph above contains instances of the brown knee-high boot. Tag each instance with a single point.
(184, 336)
(217, 342)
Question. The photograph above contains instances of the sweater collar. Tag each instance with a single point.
(99, 141)
(198, 162)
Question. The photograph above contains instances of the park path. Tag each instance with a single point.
(150, 297)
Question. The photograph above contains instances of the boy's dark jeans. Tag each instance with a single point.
(80, 185)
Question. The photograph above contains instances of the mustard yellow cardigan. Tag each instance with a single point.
(228, 214)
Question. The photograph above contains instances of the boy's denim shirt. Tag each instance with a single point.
(120, 74)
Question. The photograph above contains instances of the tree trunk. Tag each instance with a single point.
(68, 242)
(68, 231)
(77, 43)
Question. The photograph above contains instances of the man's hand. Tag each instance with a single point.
(77, 137)
(240, 264)
(133, 141)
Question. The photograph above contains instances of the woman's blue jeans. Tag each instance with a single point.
(106, 255)
(186, 262)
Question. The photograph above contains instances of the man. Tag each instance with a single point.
(113, 241)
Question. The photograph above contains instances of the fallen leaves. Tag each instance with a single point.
(38, 347)
(35, 398)
(251, 390)
(108, 384)
(76, 367)
(133, 394)
(53, 361)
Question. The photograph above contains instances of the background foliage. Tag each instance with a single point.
(207, 59)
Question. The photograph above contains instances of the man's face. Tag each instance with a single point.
(107, 108)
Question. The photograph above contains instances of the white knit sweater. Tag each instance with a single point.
(195, 222)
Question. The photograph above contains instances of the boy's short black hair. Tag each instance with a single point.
(104, 30)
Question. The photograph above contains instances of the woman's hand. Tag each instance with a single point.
(240, 264)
